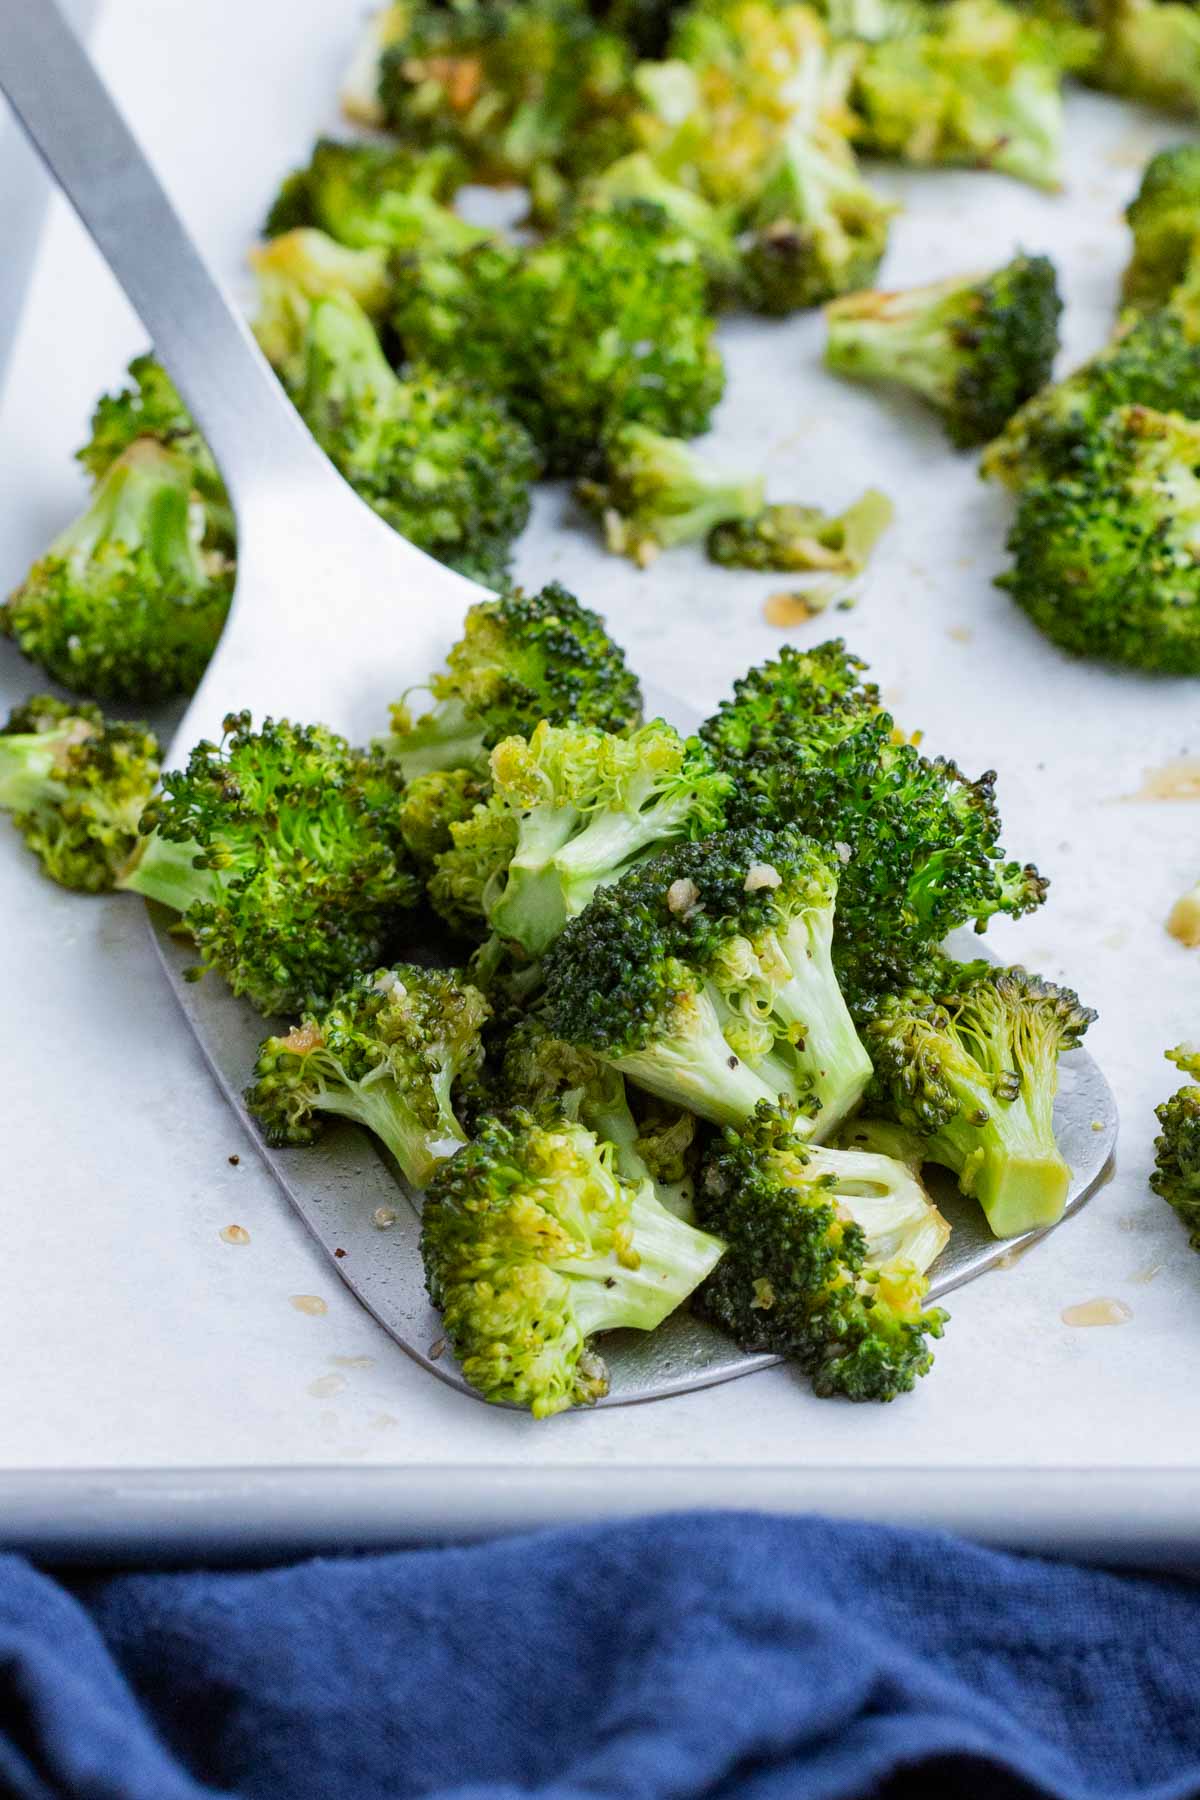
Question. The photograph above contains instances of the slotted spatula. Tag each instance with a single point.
(322, 585)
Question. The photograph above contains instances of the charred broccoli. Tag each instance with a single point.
(972, 1064)
(795, 538)
(657, 492)
(76, 783)
(390, 1052)
(533, 1244)
(816, 230)
(375, 196)
(803, 1277)
(126, 604)
(1176, 1177)
(974, 346)
(1104, 554)
(706, 977)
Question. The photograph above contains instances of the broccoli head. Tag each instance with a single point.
(1150, 52)
(971, 1063)
(801, 1275)
(303, 266)
(533, 1244)
(572, 810)
(432, 803)
(975, 347)
(817, 229)
(76, 783)
(706, 227)
(707, 978)
(375, 196)
(1164, 217)
(1152, 362)
(126, 604)
(282, 849)
(657, 492)
(794, 538)
(601, 325)
(150, 407)
(917, 843)
(1176, 1177)
(522, 658)
(442, 464)
(979, 84)
(391, 1053)
(1104, 555)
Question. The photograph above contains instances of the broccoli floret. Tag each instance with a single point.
(975, 347)
(434, 802)
(603, 325)
(707, 978)
(150, 407)
(645, 24)
(817, 229)
(442, 464)
(808, 743)
(126, 604)
(281, 848)
(512, 88)
(533, 1244)
(1153, 362)
(75, 783)
(801, 1275)
(390, 1053)
(1176, 1177)
(1164, 217)
(304, 266)
(572, 810)
(657, 492)
(793, 538)
(367, 195)
(980, 85)
(521, 659)
(1104, 554)
(1151, 52)
(708, 228)
(972, 1064)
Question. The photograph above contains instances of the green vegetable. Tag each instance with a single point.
(657, 492)
(1176, 1177)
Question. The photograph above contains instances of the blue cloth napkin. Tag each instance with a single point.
(716, 1655)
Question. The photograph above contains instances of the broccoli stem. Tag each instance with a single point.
(1004, 1153)
(445, 738)
(695, 1068)
(164, 870)
(821, 1030)
(882, 344)
(670, 1260)
(528, 904)
(608, 845)
(376, 1104)
(143, 501)
(28, 767)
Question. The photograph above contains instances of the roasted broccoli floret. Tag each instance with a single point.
(817, 228)
(808, 742)
(442, 464)
(513, 88)
(75, 783)
(1176, 1177)
(126, 604)
(367, 195)
(434, 802)
(521, 659)
(602, 325)
(707, 228)
(150, 407)
(1150, 51)
(657, 492)
(802, 1276)
(281, 847)
(1164, 217)
(572, 810)
(1104, 555)
(391, 1053)
(976, 347)
(795, 538)
(533, 1244)
(304, 266)
(979, 85)
(1154, 362)
(972, 1064)
(707, 978)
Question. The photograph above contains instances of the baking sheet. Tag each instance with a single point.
(142, 1344)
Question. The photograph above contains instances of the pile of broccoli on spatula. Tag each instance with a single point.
(647, 1020)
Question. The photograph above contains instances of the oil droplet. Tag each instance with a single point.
(1183, 920)
(1128, 1224)
(1145, 1276)
(1012, 1257)
(235, 1234)
(788, 608)
(1177, 780)
(382, 1217)
(381, 1421)
(962, 634)
(309, 1303)
(326, 1386)
(353, 1362)
(1097, 1312)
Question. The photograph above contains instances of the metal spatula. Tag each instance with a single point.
(322, 583)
